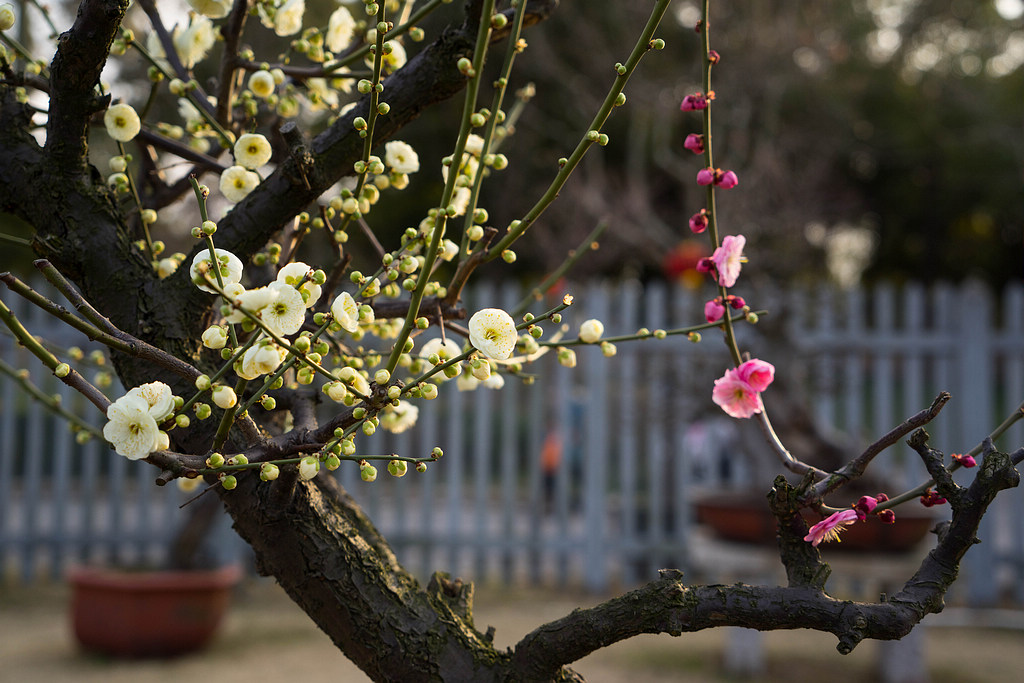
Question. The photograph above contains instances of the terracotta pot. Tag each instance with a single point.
(148, 614)
(746, 518)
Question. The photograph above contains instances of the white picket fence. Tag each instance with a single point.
(631, 434)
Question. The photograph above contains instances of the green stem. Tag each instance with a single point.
(468, 107)
(639, 50)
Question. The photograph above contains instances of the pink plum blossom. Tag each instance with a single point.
(728, 259)
(705, 176)
(699, 221)
(735, 396)
(736, 302)
(966, 460)
(714, 310)
(757, 373)
(695, 143)
(865, 506)
(694, 102)
(932, 498)
(829, 528)
(726, 180)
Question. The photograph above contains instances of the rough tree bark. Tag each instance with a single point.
(312, 536)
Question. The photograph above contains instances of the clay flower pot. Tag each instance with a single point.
(148, 613)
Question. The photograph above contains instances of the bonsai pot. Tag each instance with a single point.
(745, 517)
(126, 613)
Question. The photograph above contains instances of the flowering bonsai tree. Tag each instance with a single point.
(227, 346)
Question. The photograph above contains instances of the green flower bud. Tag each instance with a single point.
(62, 370)
(269, 471)
(228, 481)
(215, 460)
(397, 468)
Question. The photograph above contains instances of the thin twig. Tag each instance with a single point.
(856, 467)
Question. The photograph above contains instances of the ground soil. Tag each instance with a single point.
(267, 638)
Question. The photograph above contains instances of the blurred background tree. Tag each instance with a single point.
(887, 145)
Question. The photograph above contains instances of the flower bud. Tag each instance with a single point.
(694, 102)
(566, 357)
(727, 180)
(367, 471)
(695, 143)
(215, 337)
(269, 471)
(224, 397)
(62, 370)
(398, 468)
(7, 17)
(591, 330)
(309, 467)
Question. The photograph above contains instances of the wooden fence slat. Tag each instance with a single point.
(615, 507)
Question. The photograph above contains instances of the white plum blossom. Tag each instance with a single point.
(122, 122)
(288, 18)
(308, 467)
(224, 397)
(252, 150)
(215, 9)
(460, 200)
(397, 419)
(401, 157)
(346, 312)
(229, 264)
(130, 428)
(354, 379)
(492, 331)
(262, 84)
(337, 391)
(449, 250)
(215, 337)
(474, 144)
(286, 312)
(167, 266)
(252, 300)
(466, 382)
(193, 42)
(237, 182)
(591, 330)
(495, 381)
(396, 59)
(320, 94)
(482, 371)
(445, 350)
(295, 273)
(158, 398)
(340, 28)
(260, 359)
